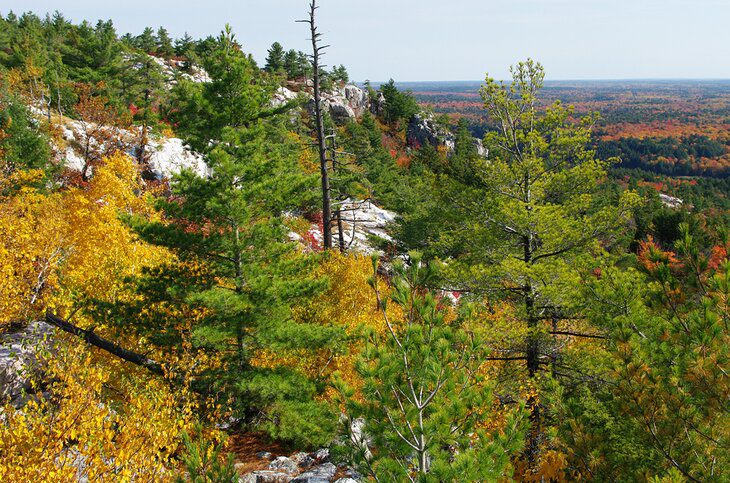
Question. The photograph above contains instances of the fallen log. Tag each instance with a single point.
(90, 337)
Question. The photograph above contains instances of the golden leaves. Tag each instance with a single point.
(75, 429)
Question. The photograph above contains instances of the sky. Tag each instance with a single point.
(431, 40)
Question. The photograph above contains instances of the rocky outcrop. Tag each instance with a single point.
(302, 468)
(362, 221)
(670, 201)
(423, 129)
(166, 156)
(282, 463)
(19, 358)
(343, 103)
(169, 156)
(323, 473)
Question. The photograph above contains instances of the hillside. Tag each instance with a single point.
(210, 276)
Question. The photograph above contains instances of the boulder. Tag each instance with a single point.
(341, 113)
(169, 156)
(377, 107)
(283, 463)
(323, 473)
(422, 129)
(265, 476)
(357, 99)
(18, 357)
(321, 455)
(282, 96)
(303, 460)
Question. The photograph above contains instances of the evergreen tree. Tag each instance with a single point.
(290, 63)
(144, 88)
(424, 404)
(23, 145)
(233, 221)
(664, 407)
(399, 106)
(184, 46)
(164, 46)
(339, 74)
(275, 58)
(522, 225)
(237, 96)
(146, 41)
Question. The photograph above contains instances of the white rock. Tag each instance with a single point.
(18, 355)
(670, 201)
(169, 156)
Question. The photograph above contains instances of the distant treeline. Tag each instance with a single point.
(667, 155)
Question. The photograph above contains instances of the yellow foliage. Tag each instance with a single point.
(349, 302)
(32, 248)
(70, 244)
(551, 466)
(91, 426)
(101, 249)
(101, 414)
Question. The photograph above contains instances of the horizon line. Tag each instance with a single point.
(617, 79)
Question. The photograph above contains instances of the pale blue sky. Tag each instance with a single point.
(453, 39)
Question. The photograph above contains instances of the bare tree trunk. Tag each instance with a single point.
(58, 94)
(338, 211)
(319, 125)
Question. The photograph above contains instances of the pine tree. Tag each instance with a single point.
(237, 96)
(275, 58)
(339, 74)
(143, 89)
(234, 222)
(399, 106)
(164, 46)
(23, 145)
(425, 402)
(665, 403)
(520, 226)
(146, 41)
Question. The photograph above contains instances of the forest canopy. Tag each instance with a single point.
(187, 292)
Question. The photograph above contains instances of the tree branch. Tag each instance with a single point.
(101, 343)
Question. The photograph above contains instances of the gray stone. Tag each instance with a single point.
(423, 129)
(378, 106)
(284, 464)
(318, 474)
(265, 455)
(341, 113)
(302, 459)
(265, 476)
(357, 99)
(321, 455)
(19, 356)
(346, 480)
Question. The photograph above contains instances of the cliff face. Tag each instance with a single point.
(166, 156)
(343, 103)
(423, 129)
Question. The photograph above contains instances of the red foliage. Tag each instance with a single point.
(651, 256)
(718, 256)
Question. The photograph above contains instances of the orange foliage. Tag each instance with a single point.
(349, 303)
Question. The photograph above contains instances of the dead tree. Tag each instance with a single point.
(338, 210)
(319, 126)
